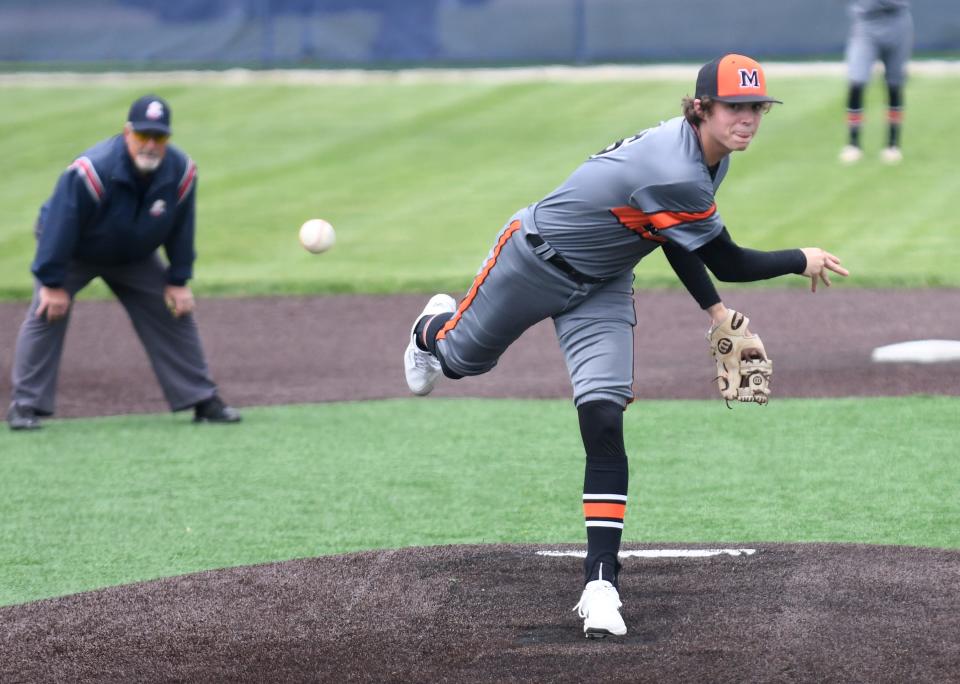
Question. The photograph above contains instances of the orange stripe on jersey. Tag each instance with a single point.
(669, 219)
(478, 281)
(640, 222)
(604, 510)
(637, 221)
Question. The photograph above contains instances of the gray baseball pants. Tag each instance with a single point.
(172, 344)
(888, 38)
(516, 288)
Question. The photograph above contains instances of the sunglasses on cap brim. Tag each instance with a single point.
(156, 136)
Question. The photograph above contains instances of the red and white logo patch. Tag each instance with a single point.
(158, 209)
(155, 110)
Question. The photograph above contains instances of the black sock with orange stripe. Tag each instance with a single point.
(426, 329)
(855, 113)
(894, 115)
(605, 481)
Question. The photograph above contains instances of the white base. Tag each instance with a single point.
(918, 351)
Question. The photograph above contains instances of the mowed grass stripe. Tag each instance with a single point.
(418, 178)
(100, 502)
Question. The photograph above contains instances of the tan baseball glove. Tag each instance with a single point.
(743, 368)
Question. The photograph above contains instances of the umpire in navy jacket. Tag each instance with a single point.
(111, 210)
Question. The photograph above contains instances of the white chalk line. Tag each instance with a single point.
(534, 74)
(661, 553)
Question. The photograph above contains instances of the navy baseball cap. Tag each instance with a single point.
(733, 78)
(150, 114)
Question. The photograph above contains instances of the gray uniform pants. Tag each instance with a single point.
(888, 38)
(515, 289)
(172, 344)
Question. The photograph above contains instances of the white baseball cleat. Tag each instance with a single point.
(891, 155)
(600, 609)
(850, 154)
(421, 367)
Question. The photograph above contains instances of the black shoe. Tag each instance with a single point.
(22, 418)
(213, 410)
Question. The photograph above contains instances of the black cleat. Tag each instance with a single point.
(22, 418)
(213, 410)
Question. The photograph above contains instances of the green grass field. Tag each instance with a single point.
(93, 503)
(417, 179)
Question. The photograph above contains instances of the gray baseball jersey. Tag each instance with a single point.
(624, 201)
(879, 29)
(616, 208)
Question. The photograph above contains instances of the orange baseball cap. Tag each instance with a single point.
(733, 78)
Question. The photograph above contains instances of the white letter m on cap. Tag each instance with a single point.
(749, 78)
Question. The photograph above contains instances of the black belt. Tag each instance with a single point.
(882, 12)
(548, 253)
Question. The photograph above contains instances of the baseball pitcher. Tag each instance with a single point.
(571, 256)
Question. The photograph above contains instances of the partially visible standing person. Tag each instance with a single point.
(110, 212)
(879, 29)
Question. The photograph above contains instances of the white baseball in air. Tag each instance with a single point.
(316, 235)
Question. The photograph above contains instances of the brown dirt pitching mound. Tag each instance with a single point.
(811, 612)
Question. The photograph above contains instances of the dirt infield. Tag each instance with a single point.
(298, 349)
(837, 613)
